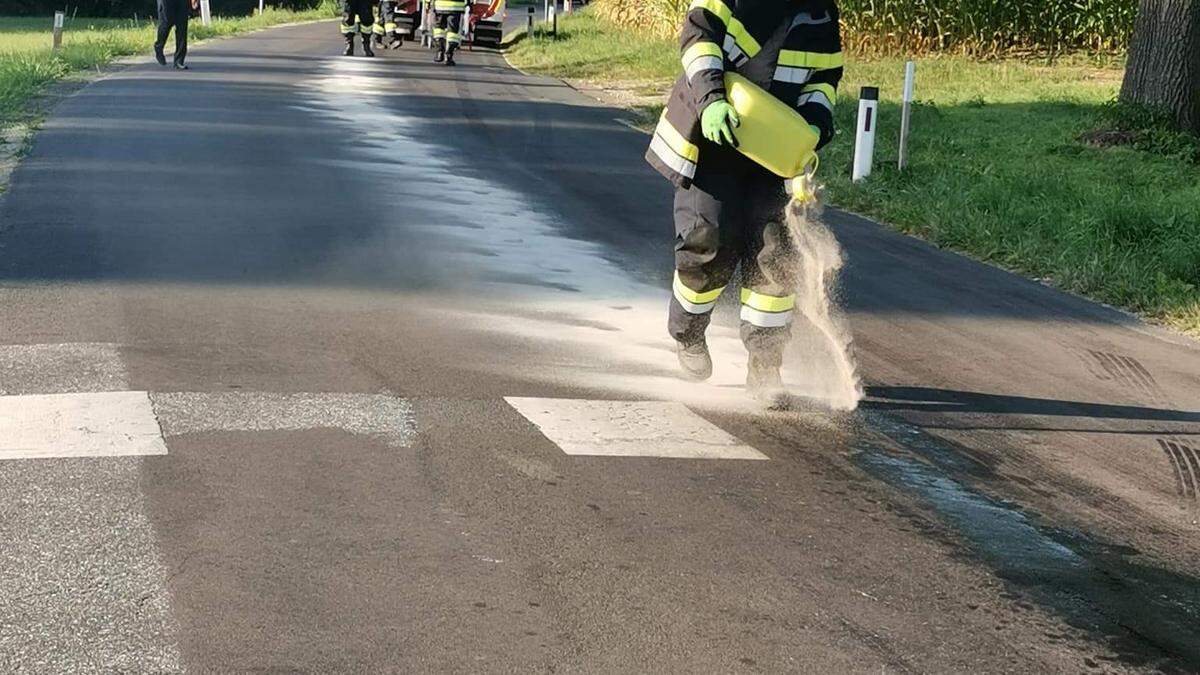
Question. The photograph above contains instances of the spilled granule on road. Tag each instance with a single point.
(620, 343)
(821, 346)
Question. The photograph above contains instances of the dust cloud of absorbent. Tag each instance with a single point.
(820, 355)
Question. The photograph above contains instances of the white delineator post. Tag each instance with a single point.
(910, 74)
(545, 10)
(205, 13)
(58, 28)
(864, 141)
(260, 7)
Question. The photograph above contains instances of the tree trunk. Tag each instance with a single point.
(1164, 60)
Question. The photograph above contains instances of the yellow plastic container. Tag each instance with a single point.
(771, 133)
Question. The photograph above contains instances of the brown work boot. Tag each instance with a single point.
(763, 381)
(695, 360)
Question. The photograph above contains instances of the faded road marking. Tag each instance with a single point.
(102, 424)
(379, 415)
(630, 429)
(61, 368)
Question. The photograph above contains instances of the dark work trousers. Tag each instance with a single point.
(173, 14)
(357, 9)
(733, 214)
(447, 27)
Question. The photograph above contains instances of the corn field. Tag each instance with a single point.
(977, 27)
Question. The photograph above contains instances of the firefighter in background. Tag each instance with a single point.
(447, 28)
(359, 10)
(385, 27)
(728, 209)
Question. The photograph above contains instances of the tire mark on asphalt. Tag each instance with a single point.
(1133, 377)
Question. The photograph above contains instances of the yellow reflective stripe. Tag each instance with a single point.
(814, 60)
(767, 303)
(701, 49)
(692, 296)
(733, 26)
(675, 140)
(743, 38)
(716, 7)
(390, 26)
(346, 30)
(827, 89)
(377, 29)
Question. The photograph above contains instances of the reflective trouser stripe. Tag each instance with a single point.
(694, 302)
(377, 29)
(365, 29)
(766, 319)
(439, 32)
(767, 311)
(390, 27)
(347, 30)
(453, 37)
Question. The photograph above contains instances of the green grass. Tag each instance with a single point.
(28, 65)
(996, 166)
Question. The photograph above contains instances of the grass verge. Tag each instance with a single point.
(1000, 167)
(28, 65)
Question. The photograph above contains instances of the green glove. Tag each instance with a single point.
(717, 122)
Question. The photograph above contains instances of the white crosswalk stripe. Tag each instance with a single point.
(630, 429)
(105, 424)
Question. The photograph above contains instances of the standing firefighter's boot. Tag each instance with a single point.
(349, 51)
(450, 55)
(763, 381)
(367, 51)
(694, 359)
(441, 51)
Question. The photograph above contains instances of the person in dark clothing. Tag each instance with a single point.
(729, 210)
(173, 14)
(360, 10)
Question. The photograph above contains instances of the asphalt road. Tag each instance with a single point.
(361, 366)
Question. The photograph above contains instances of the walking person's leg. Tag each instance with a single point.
(440, 21)
(769, 276)
(347, 25)
(366, 25)
(708, 242)
(164, 28)
(453, 36)
(183, 14)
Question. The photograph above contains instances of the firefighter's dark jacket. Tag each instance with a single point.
(722, 34)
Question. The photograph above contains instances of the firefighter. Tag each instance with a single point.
(359, 10)
(728, 209)
(385, 27)
(447, 26)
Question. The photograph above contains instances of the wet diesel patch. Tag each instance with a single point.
(1147, 615)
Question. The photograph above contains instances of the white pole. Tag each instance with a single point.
(566, 6)
(864, 142)
(205, 13)
(58, 28)
(910, 74)
(260, 7)
(546, 7)
(467, 36)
